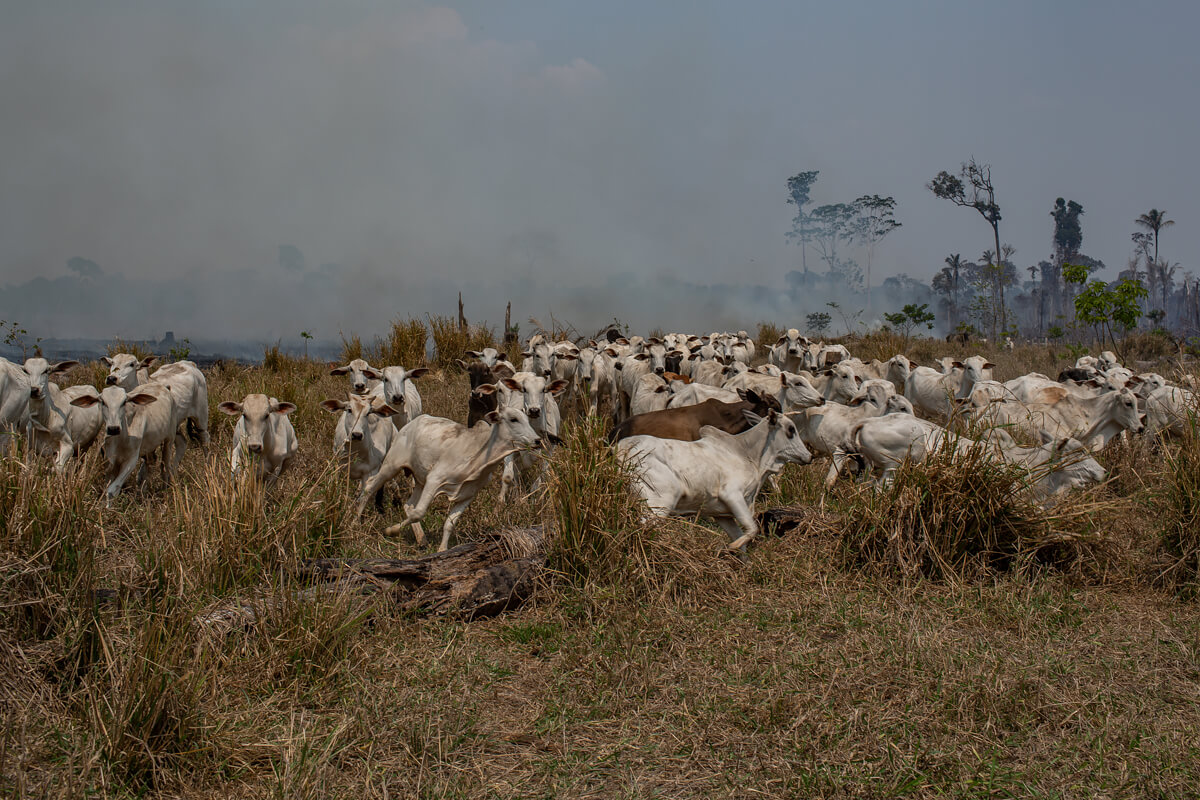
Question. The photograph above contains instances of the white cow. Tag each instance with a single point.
(827, 429)
(650, 393)
(14, 403)
(363, 435)
(447, 457)
(126, 371)
(539, 357)
(263, 435)
(534, 397)
(717, 476)
(931, 391)
(189, 389)
(1058, 465)
(136, 426)
(790, 352)
(1092, 420)
(1171, 410)
(396, 388)
(691, 394)
(794, 392)
(60, 429)
(838, 384)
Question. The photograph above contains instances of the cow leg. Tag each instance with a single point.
(121, 475)
(456, 511)
(65, 451)
(508, 476)
(745, 520)
(416, 513)
(373, 486)
(835, 466)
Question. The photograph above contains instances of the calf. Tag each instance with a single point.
(790, 353)
(136, 425)
(263, 434)
(446, 457)
(59, 428)
(685, 423)
(490, 356)
(534, 397)
(794, 392)
(718, 475)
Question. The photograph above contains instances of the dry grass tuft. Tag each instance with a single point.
(964, 516)
(1178, 495)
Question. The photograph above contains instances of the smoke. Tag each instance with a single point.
(250, 170)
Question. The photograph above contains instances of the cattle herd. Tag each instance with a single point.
(701, 427)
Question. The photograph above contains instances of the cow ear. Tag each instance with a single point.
(568, 357)
(557, 387)
(372, 373)
(956, 364)
(693, 357)
(106, 361)
(641, 357)
(231, 408)
(333, 405)
(772, 417)
(283, 408)
(622, 340)
(85, 401)
(1135, 380)
(63, 366)
(988, 365)
(142, 398)
(492, 417)
(384, 410)
(1095, 384)
(661, 389)
(503, 371)
(473, 354)
(485, 388)
(462, 364)
(419, 372)
(527, 354)
(339, 371)
(608, 351)
(751, 417)
(511, 385)
(858, 400)
(148, 360)
(502, 356)
(654, 340)
(858, 379)
(826, 372)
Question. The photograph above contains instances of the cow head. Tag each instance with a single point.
(360, 372)
(40, 371)
(117, 406)
(255, 411)
(123, 369)
(395, 381)
(357, 412)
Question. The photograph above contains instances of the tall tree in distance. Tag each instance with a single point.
(799, 191)
(973, 188)
(948, 282)
(831, 225)
(876, 218)
(1154, 221)
(1068, 238)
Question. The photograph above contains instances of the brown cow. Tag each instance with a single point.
(685, 423)
(479, 403)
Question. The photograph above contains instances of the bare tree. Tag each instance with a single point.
(876, 219)
(973, 188)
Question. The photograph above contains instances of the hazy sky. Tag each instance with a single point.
(493, 145)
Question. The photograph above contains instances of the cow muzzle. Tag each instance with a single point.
(111, 380)
(359, 388)
(659, 370)
(113, 430)
(545, 373)
(254, 447)
(35, 392)
(534, 413)
(397, 399)
(356, 436)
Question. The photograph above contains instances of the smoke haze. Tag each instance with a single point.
(632, 165)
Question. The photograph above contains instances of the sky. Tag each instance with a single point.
(579, 159)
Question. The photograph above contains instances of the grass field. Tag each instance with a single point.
(652, 667)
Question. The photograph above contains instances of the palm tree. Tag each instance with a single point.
(1154, 221)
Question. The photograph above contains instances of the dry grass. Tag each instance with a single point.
(666, 670)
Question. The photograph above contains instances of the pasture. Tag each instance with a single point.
(871, 651)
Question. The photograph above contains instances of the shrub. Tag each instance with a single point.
(404, 345)
(1179, 495)
(962, 515)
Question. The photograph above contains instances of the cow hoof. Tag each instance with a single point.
(393, 530)
(739, 544)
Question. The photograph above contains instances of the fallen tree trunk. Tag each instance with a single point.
(470, 581)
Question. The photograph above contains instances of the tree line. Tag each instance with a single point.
(991, 294)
